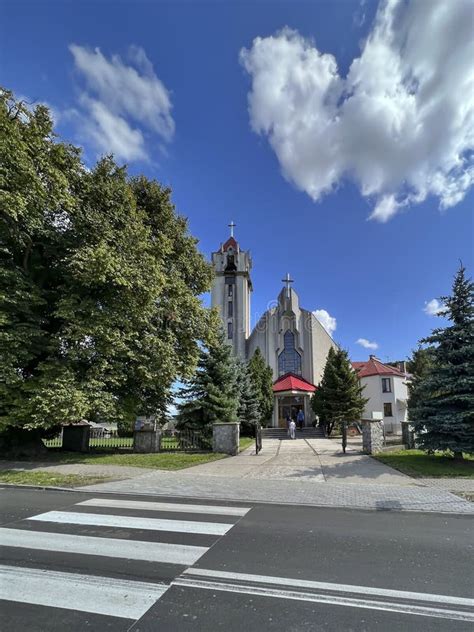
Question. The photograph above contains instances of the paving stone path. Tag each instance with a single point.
(311, 471)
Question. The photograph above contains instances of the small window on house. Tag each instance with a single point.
(230, 330)
(386, 385)
(230, 309)
(387, 410)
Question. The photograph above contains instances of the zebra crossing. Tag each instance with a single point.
(105, 558)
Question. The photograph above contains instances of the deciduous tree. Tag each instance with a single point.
(99, 284)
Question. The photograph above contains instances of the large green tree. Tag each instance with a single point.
(212, 394)
(338, 398)
(99, 284)
(441, 405)
(262, 379)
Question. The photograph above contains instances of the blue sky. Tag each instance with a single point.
(340, 111)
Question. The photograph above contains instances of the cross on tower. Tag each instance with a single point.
(232, 226)
(288, 280)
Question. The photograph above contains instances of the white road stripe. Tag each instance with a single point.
(72, 591)
(106, 547)
(347, 588)
(404, 608)
(128, 522)
(159, 506)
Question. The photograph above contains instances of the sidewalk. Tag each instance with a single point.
(306, 472)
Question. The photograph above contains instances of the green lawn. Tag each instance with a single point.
(417, 463)
(49, 479)
(161, 461)
(245, 442)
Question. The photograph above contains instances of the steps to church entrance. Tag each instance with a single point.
(282, 433)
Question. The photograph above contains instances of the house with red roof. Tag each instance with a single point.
(386, 388)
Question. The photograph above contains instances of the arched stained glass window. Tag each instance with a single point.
(289, 360)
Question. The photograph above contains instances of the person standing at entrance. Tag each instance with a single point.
(300, 419)
(288, 423)
(292, 430)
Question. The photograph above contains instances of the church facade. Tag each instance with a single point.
(292, 341)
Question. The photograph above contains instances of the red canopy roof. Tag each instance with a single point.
(291, 382)
(373, 366)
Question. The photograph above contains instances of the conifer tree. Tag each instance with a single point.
(212, 394)
(338, 398)
(418, 367)
(248, 412)
(262, 377)
(443, 410)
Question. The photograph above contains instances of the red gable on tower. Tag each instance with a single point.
(230, 243)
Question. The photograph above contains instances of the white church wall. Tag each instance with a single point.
(321, 342)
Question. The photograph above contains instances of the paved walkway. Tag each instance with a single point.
(311, 472)
(315, 460)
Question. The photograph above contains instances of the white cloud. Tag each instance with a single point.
(401, 124)
(327, 321)
(120, 99)
(363, 342)
(433, 307)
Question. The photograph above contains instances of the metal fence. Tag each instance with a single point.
(185, 441)
(99, 438)
(171, 441)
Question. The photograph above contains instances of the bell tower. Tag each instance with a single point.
(231, 290)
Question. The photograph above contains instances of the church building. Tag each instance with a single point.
(291, 339)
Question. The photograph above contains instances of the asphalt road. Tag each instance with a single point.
(83, 561)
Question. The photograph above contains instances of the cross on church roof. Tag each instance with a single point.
(232, 226)
(288, 280)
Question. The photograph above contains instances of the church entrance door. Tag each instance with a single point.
(289, 406)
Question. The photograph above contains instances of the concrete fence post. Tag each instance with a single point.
(372, 436)
(226, 437)
(76, 437)
(147, 441)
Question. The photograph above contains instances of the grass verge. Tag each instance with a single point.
(160, 461)
(417, 463)
(49, 479)
(245, 442)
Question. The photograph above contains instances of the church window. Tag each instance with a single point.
(230, 330)
(230, 309)
(289, 360)
(229, 291)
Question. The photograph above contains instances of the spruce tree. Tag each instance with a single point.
(338, 398)
(248, 412)
(418, 367)
(443, 410)
(212, 394)
(262, 377)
